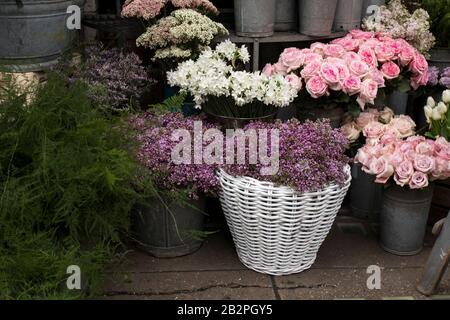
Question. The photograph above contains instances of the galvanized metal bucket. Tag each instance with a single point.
(348, 15)
(440, 57)
(365, 195)
(254, 18)
(398, 102)
(33, 34)
(403, 219)
(335, 115)
(166, 230)
(316, 17)
(286, 17)
(368, 3)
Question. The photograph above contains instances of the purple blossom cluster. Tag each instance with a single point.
(311, 155)
(121, 73)
(154, 134)
(439, 77)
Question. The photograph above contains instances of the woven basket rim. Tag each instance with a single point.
(270, 185)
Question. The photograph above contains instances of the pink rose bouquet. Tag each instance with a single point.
(354, 67)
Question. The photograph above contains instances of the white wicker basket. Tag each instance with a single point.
(277, 230)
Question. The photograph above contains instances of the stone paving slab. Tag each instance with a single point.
(221, 285)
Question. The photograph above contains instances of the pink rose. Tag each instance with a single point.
(372, 43)
(268, 70)
(350, 56)
(373, 130)
(395, 45)
(382, 169)
(406, 55)
(318, 48)
(363, 157)
(369, 90)
(351, 131)
(403, 126)
(359, 68)
(441, 169)
(311, 69)
(396, 157)
(310, 57)
(418, 64)
(415, 140)
(347, 42)
(377, 76)
(423, 163)
(351, 85)
(384, 53)
(330, 74)
(333, 50)
(419, 79)
(317, 87)
(279, 68)
(294, 81)
(403, 173)
(426, 148)
(368, 56)
(361, 35)
(419, 180)
(442, 149)
(292, 59)
(390, 70)
(364, 119)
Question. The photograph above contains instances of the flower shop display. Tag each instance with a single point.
(348, 15)
(350, 70)
(255, 18)
(286, 15)
(408, 167)
(439, 78)
(278, 222)
(316, 17)
(438, 116)
(180, 36)
(395, 19)
(170, 223)
(221, 90)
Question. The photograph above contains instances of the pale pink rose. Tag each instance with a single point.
(403, 125)
(382, 169)
(406, 55)
(377, 76)
(395, 45)
(359, 68)
(403, 173)
(419, 180)
(373, 130)
(310, 57)
(372, 43)
(279, 68)
(268, 70)
(410, 155)
(441, 169)
(294, 81)
(396, 157)
(442, 148)
(364, 157)
(351, 85)
(369, 91)
(318, 47)
(425, 147)
(334, 50)
(419, 79)
(368, 56)
(423, 163)
(330, 74)
(386, 115)
(350, 56)
(343, 70)
(311, 69)
(415, 140)
(335, 60)
(364, 119)
(390, 70)
(389, 138)
(317, 87)
(418, 64)
(361, 35)
(347, 42)
(351, 131)
(384, 53)
(292, 59)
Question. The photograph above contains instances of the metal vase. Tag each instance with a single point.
(403, 219)
(286, 15)
(348, 15)
(365, 195)
(165, 230)
(254, 18)
(238, 123)
(368, 3)
(398, 102)
(316, 17)
(33, 34)
(335, 115)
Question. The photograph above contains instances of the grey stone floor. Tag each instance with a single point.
(215, 272)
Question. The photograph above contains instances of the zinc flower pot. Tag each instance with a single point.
(368, 3)
(439, 57)
(286, 15)
(335, 115)
(254, 18)
(365, 195)
(348, 15)
(34, 34)
(165, 229)
(403, 219)
(398, 102)
(316, 17)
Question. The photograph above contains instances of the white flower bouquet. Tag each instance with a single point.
(219, 88)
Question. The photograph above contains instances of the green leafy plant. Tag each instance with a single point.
(68, 182)
(439, 11)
